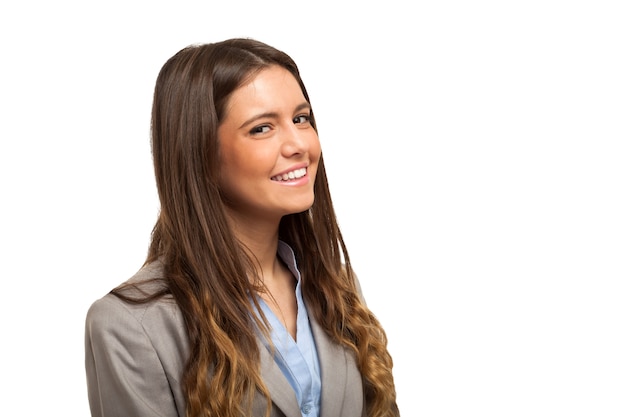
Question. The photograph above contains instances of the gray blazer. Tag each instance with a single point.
(135, 355)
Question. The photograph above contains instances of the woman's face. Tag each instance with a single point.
(268, 148)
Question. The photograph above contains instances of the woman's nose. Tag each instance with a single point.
(295, 140)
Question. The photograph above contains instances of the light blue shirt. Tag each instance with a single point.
(296, 359)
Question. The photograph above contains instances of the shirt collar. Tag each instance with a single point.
(286, 254)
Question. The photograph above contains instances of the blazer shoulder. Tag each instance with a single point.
(128, 343)
(357, 284)
(111, 311)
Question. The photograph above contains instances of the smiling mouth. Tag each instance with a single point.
(292, 175)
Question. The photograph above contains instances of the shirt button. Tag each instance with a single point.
(306, 408)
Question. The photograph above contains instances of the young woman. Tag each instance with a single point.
(247, 304)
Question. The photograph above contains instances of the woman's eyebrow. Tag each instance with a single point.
(268, 115)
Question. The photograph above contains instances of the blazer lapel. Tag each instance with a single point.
(282, 393)
(333, 363)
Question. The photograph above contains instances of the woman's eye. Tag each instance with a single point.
(260, 129)
(302, 118)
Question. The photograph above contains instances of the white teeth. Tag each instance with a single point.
(298, 173)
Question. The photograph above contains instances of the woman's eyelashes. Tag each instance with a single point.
(302, 118)
(265, 128)
(258, 130)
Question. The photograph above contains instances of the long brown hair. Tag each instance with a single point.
(206, 270)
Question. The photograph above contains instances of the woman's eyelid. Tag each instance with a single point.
(306, 116)
(267, 126)
(258, 129)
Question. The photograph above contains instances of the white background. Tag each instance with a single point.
(476, 154)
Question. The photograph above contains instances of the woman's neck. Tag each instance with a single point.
(260, 238)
